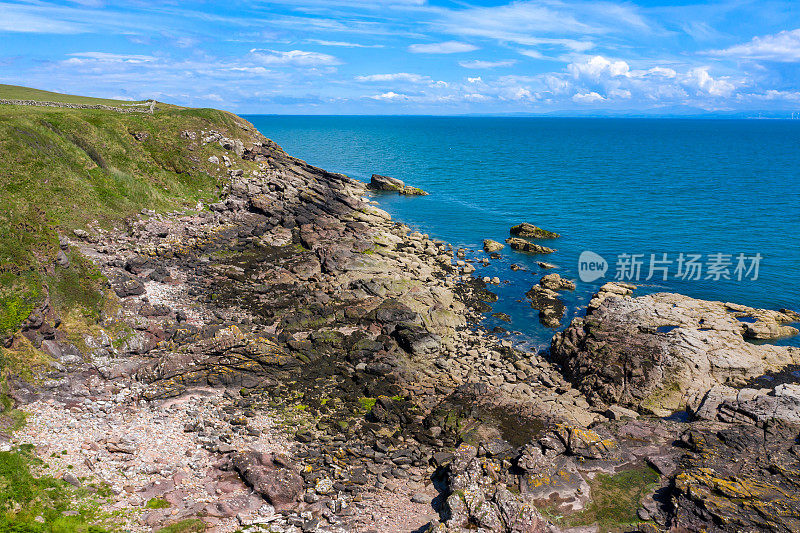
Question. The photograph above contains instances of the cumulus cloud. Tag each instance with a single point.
(390, 96)
(478, 64)
(598, 67)
(587, 98)
(399, 76)
(781, 47)
(296, 58)
(700, 79)
(447, 47)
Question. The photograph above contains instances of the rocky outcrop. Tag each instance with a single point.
(521, 245)
(386, 183)
(732, 478)
(477, 500)
(657, 352)
(544, 297)
(530, 231)
(490, 246)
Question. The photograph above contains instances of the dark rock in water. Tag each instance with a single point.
(554, 282)
(545, 298)
(531, 231)
(502, 316)
(521, 245)
(490, 246)
(272, 476)
(385, 183)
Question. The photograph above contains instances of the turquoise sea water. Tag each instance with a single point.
(612, 186)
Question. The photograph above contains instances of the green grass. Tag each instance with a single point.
(157, 503)
(42, 504)
(16, 92)
(615, 500)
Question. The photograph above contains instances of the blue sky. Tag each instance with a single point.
(413, 56)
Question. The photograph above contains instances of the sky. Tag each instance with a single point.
(414, 56)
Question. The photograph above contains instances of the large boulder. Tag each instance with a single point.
(533, 232)
(272, 476)
(490, 246)
(385, 183)
(544, 297)
(656, 352)
(521, 245)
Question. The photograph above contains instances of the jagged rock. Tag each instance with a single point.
(544, 297)
(554, 282)
(272, 476)
(656, 352)
(735, 479)
(521, 245)
(490, 246)
(385, 183)
(531, 231)
(417, 340)
(128, 286)
(476, 500)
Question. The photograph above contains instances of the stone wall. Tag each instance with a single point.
(143, 108)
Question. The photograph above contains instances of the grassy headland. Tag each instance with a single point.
(63, 168)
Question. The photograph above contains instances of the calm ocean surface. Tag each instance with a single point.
(612, 186)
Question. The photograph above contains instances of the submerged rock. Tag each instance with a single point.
(531, 231)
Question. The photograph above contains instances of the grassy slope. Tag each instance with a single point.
(16, 92)
(62, 168)
(59, 170)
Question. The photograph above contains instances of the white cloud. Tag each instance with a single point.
(478, 64)
(598, 67)
(619, 93)
(29, 19)
(587, 98)
(700, 79)
(343, 44)
(782, 47)
(399, 76)
(447, 47)
(773, 94)
(296, 58)
(475, 80)
(390, 97)
(549, 23)
(85, 57)
(663, 72)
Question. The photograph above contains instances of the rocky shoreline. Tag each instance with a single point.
(291, 359)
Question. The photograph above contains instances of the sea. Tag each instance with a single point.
(704, 207)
